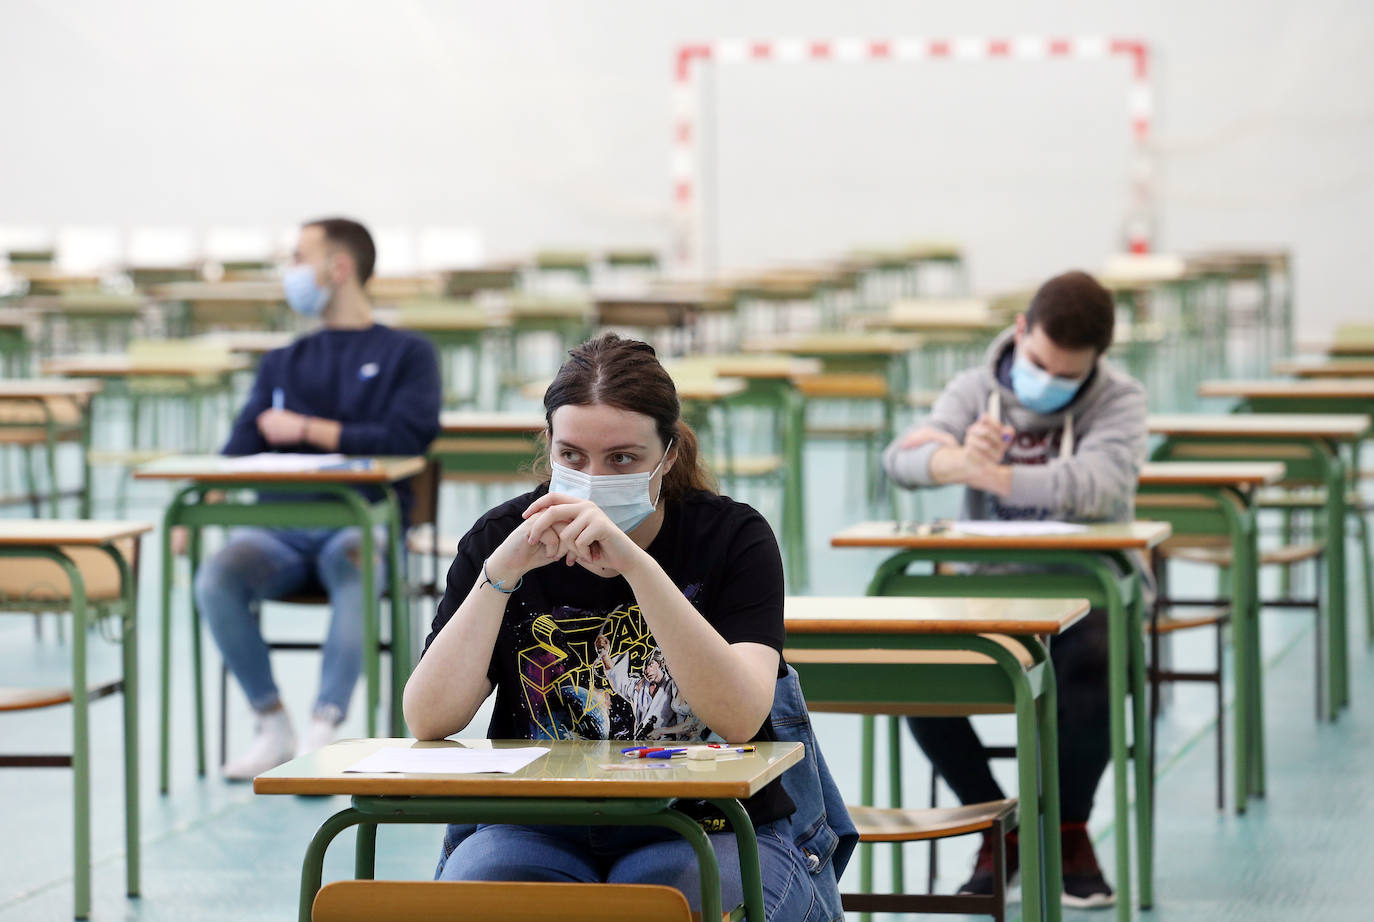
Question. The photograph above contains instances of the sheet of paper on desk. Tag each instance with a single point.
(448, 760)
(996, 529)
(281, 462)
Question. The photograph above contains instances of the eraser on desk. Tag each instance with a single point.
(701, 755)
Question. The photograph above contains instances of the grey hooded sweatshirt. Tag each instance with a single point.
(1079, 464)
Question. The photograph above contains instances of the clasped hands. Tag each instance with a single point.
(985, 443)
(558, 527)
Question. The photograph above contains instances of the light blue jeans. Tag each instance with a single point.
(637, 855)
(260, 563)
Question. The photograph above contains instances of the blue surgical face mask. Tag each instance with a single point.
(623, 497)
(1038, 390)
(303, 293)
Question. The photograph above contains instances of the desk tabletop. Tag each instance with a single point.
(973, 315)
(220, 469)
(707, 389)
(47, 387)
(122, 366)
(1339, 426)
(1287, 389)
(1326, 368)
(465, 422)
(919, 615)
(759, 365)
(249, 342)
(1211, 473)
(56, 532)
(1113, 536)
(267, 292)
(837, 343)
(100, 302)
(570, 769)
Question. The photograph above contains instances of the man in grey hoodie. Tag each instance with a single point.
(1046, 428)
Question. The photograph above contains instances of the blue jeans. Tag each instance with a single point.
(260, 563)
(636, 855)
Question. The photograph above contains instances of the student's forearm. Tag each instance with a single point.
(725, 689)
(450, 683)
(949, 465)
(995, 478)
(322, 433)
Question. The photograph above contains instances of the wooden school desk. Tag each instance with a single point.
(939, 656)
(454, 327)
(1095, 564)
(565, 787)
(47, 411)
(1310, 447)
(335, 503)
(1326, 368)
(196, 307)
(47, 539)
(1219, 497)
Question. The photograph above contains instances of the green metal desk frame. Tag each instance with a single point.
(80, 759)
(1324, 462)
(367, 813)
(1350, 405)
(335, 506)
(1107, 579)
(1235, 517)
(53, 431)
(1005, 681)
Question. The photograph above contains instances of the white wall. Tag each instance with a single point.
(547, 123)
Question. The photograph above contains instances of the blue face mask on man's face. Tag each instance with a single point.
(1039, 391)
(303, 293)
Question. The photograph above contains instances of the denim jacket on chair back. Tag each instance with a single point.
(821, 826)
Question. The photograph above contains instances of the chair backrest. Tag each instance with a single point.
(490, 901)
(424, 486)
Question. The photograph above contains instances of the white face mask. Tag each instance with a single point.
(623, 497)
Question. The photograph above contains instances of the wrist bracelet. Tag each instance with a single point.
(497, 584)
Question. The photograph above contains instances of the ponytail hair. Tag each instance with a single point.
(626, 374)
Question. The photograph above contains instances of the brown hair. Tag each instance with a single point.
(1076, 312)
(626, 374)
(354, 238)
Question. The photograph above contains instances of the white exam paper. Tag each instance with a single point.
(1016, 529)
(281, 462)
(448, 760)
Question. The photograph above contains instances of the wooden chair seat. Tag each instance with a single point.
(896, 824)
(1171, 623)
(845, 431)
(490, 901)
(63, 411)
(842, 386)
(1222, 556)
(29, 699)
(44, 581)
(1309, 498)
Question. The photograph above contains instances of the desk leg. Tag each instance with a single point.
(750, 875)
(197, 659)
(365, 852)
(81, 743)
(165, 643)
(1118, 658)
(367, 569)
(1034, 860)
(794, 489)
(1047, 719)
(1242, 636)
(401, 644)
(1256, 655)
(312, 869)
(1338, 694)
(128, 640)
(1144, 777)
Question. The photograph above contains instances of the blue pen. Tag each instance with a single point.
(664, 753)
(278, 399)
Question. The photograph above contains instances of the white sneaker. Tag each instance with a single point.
(274, 742)
(321, 733)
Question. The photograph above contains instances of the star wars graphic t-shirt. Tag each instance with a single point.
(575, 659)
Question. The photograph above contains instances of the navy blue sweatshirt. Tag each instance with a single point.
(381, 384)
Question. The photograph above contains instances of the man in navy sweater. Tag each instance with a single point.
(354, 387)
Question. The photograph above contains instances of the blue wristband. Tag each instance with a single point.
(497, 584)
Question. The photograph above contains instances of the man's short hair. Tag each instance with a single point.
(1075, 311)
(354, 238)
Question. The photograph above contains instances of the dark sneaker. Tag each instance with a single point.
(981, 882)
(1084, 885)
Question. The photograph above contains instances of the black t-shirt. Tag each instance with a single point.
(555, 680)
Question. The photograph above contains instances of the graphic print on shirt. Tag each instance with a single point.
(592, 675)
(1029, 448)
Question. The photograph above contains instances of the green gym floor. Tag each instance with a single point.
(214, 851)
